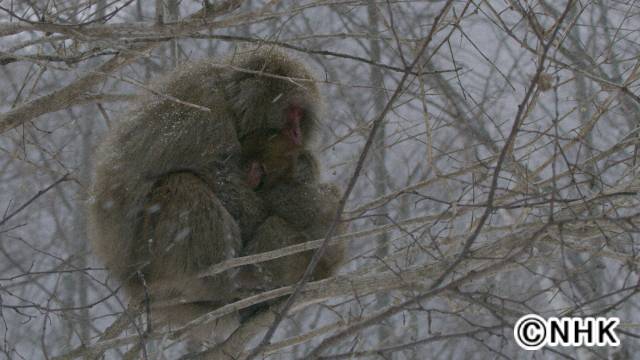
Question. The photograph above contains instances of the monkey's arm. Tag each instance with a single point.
(307, 207)
(274, 234)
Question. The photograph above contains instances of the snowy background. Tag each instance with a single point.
(503, 180)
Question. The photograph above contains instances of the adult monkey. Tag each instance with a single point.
(174, 186)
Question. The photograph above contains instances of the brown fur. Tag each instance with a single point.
(170, 192)
(301, 210)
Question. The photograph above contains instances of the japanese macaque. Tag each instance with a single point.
(213, 165)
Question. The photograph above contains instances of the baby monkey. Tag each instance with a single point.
(270, 155)
(300, 209)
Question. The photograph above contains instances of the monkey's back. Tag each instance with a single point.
(159, 137)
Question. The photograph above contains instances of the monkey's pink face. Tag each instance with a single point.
(255, 174)
(293, 129)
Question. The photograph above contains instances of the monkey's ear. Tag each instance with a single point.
(255, 175)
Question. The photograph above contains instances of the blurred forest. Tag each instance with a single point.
(488, 151)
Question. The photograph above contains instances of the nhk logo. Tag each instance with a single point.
(533, 332)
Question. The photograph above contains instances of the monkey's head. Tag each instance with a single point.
(276, 105)
(270, 95)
